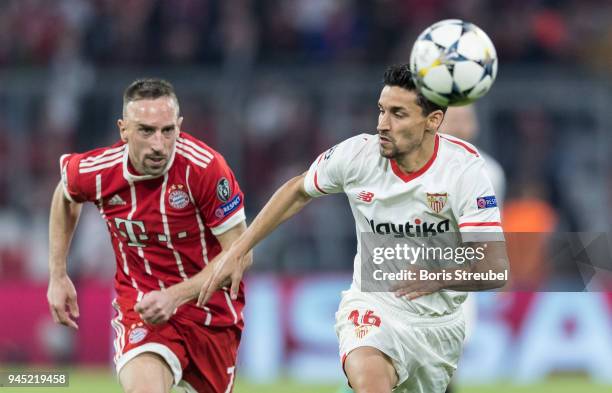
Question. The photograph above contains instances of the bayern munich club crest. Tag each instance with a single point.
(137, 335)
(437, 201)
(177, 197)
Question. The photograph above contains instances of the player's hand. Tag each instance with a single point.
(156, 306)
(62, 299)
(413, 289)
(412, 292)
(228, 270)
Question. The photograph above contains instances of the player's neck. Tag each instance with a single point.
(135, 170)
(417, 159)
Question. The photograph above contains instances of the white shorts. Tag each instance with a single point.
(424, 350)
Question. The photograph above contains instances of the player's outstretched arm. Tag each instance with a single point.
(495, 266)
(158, 306)
(287, 201)
(490, 272)
(61, 293)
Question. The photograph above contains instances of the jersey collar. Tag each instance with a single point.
(406, 177)
(129, 176)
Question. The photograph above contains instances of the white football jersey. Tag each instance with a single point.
(450, 194)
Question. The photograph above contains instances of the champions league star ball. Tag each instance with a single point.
(453, 63)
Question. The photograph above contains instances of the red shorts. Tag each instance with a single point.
(202, 358)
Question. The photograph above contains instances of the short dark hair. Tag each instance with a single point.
(148, 88)
(400, 75)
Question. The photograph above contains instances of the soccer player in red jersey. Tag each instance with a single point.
(172, 205)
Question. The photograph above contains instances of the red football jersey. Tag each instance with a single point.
(162, 228)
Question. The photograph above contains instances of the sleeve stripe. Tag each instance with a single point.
(64, 180)
(480, 224)
(195, 146)
(106, 153)
(190, 157)
(466, 147)
(189, 149)
(101, 166)
(107, 158)
(316, 184)
(230, 221)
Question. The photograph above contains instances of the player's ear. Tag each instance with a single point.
(179, 123)
(434, 120)
(122, 129)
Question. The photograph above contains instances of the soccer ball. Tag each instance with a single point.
(453, 63)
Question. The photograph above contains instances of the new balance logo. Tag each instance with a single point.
(116, 200)
(365, 196)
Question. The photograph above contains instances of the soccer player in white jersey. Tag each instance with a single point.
(405, 180)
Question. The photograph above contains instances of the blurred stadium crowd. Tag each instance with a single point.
(272, 83)
(205, 32)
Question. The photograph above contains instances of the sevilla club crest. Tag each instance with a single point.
(437, 201)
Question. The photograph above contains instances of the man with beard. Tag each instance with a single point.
(172, 206)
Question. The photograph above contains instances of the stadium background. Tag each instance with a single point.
(271, 84)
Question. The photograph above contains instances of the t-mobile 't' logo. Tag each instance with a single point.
(130, 232)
